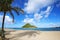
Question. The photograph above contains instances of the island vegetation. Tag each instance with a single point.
(28, 26)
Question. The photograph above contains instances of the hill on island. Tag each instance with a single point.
(28, 26)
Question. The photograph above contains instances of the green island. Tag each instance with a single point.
(28, 26)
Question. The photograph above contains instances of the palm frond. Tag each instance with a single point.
(0, 8)
(19, 9)
(15, 10)
(12, 15)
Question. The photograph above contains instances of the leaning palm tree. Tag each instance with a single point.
(5, 6)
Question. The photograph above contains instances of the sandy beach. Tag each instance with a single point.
(32, 35)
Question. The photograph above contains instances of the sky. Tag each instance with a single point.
(41, 13)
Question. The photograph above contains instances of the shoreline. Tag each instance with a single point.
(41, 29)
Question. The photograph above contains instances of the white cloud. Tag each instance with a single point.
(53, 25)
(47, 25)
(49, 9)
(28, 20)
(37, 16)
(7, 19)
(35, 5)
(42, 14)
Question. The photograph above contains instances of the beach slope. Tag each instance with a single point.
(32, 35)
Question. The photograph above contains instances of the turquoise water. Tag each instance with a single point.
(42, 29)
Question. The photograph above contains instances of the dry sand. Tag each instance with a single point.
(33, 35)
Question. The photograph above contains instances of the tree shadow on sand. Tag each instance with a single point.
(27, 33)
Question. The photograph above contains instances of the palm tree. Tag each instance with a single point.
(5, 6)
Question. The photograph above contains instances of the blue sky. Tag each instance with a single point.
(41, 13)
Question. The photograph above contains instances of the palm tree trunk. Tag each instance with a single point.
(3, 34)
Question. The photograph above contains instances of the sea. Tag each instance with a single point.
(41, 29)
